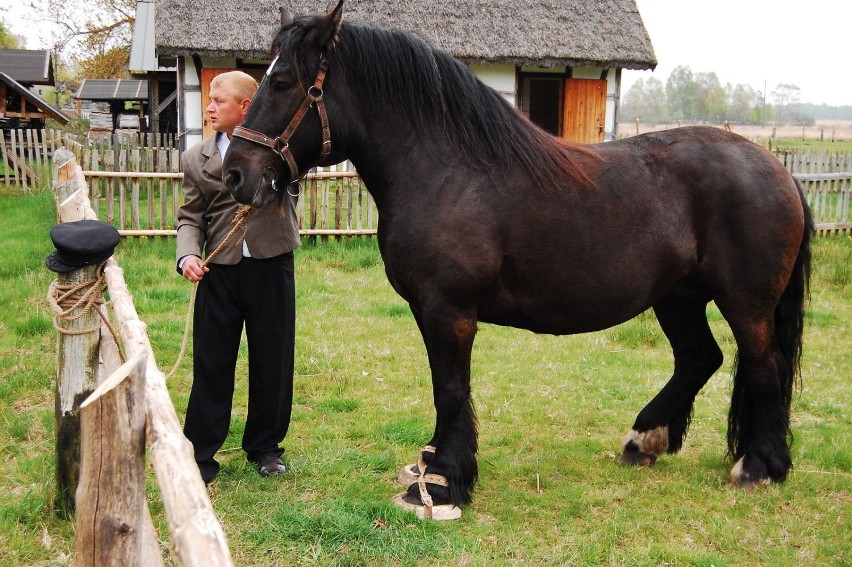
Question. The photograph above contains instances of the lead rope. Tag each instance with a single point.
(238, 222)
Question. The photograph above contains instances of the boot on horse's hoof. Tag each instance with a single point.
(410, 473)
(417, 499)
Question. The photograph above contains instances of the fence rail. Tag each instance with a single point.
(138, 189)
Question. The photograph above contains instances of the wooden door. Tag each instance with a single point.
(584, 114)
(207, 75)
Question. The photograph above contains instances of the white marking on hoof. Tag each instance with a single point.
(740, 479)
(652, 442)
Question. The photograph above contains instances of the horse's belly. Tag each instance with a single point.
(541, 313)
(562, 302)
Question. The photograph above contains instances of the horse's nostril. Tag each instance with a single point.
(233, 179)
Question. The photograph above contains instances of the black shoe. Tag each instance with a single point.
(270, 465)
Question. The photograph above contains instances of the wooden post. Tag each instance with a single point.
(77, 363)
(113, 523)
(77, 358)
(197, 536)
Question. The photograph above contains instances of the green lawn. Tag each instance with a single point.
(552, 412)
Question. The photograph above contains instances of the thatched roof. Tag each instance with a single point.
(576, 33)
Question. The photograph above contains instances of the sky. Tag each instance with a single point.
(757, 42)
(762, 43)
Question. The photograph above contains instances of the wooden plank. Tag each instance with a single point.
(177, 196)
(108, 157)
(149, 185)
(133, 174)
(8, 166)
(134, 165)
(113, 524)
(121, 155)
(163, 188)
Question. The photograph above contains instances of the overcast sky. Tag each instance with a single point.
(757, 42)
(802, 42)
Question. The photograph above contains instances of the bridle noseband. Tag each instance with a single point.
(281, 144)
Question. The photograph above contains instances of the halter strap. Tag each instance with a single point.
(281, 144)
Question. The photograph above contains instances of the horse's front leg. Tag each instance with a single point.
(449, 341)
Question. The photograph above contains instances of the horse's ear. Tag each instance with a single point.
(286, 16)
(328, 27)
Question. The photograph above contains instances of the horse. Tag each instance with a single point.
(484, 217)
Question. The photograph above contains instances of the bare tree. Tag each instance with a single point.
(94, 34)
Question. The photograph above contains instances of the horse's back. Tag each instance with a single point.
(689, 210)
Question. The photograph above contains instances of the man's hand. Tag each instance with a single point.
(193, 268)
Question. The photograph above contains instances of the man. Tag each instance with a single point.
(249, 282)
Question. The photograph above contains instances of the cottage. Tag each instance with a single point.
(560, 63)
(22, 73)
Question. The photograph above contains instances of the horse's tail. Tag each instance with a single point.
(790, 311)
(789, 328)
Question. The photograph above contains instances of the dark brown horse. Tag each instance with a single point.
(483, 217)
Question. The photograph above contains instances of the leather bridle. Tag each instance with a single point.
(281, 144)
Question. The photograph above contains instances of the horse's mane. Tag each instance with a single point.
(437, 91)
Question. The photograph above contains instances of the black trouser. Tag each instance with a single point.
(262, 295)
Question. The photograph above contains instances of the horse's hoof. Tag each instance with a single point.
(642, 449)
(637, 458)
(742, 480)
(418, 499)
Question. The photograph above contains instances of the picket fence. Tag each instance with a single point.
(136, 184)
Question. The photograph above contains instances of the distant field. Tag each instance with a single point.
(829, 135)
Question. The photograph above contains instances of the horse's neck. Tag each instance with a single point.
(390, 150)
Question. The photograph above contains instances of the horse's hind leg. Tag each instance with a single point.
(759, 419)
(661, 426)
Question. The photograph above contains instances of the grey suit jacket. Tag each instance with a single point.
(206, 216)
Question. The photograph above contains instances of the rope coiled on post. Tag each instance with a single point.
(71, 302)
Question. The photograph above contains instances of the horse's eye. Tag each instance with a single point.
(280, 83)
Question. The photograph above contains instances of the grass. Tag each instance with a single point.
(552, 411)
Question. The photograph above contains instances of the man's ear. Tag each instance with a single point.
(244, 106)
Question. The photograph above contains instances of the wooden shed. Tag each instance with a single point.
(125, 99)
(21, 72)
(559, 62)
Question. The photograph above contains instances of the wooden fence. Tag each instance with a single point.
(138, 189)
(128, 406)
(25, 156)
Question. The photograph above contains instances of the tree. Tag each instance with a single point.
(682, 94)
(645, 100)
(8, 40)
(711, 98)
(786, 99)
(94, 34)
(742, 101)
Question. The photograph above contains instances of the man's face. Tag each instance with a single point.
(225, 111)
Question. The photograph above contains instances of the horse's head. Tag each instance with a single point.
(287, 129)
